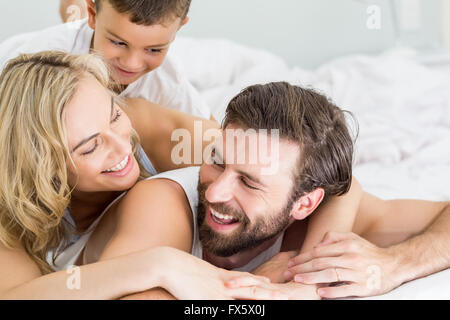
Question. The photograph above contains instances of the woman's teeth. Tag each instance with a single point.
(120, 166)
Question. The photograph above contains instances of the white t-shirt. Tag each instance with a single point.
(166, 86)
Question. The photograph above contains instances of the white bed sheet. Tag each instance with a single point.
(402, 107)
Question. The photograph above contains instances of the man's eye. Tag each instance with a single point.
(246, 184)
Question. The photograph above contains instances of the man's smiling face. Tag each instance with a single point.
(240, 207)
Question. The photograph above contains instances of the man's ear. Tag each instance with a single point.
(307, 203)
(92, 13)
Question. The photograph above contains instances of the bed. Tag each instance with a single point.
(402, 107)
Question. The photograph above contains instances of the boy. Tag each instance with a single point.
(134, 38)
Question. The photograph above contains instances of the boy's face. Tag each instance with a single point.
(131, 50)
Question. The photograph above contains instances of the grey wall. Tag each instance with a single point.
(304, 32)
(19, 16)
(309, 32)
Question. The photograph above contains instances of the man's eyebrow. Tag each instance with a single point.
(219, 157)
(152, 46)
(251, 177)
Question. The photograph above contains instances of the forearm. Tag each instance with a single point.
(153, 294)
(338, 214)
(426, 253)
(109, 279)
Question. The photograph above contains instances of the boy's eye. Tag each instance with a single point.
(154, 50)
(117, 43)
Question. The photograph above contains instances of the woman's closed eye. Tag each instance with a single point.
(91, 150)
(117, 116)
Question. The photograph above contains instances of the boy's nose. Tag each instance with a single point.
(132, 62)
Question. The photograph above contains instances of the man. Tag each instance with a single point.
(240, 214)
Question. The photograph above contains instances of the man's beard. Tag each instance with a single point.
(247, 236)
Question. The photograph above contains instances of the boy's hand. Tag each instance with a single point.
(275, 268)
(361, 268)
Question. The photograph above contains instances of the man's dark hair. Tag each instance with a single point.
(150, 12)
(307, 118)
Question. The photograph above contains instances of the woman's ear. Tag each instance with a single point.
(307, 203)
(92, 13)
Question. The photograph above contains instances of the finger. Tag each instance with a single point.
(319, 264)
(331, 250)
(328, 276)
(343, 291)
(257, 293)
(246, 281)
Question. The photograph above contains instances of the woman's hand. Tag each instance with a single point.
(275, 268)
(360, 267)
(189, 278)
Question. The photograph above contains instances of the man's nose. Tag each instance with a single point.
(221, 190)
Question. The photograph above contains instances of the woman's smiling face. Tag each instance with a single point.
(99, 140)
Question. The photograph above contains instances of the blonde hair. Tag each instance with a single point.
(34, 190)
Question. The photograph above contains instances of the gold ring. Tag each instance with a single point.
(337, 275)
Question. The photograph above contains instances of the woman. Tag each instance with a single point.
(54, 188)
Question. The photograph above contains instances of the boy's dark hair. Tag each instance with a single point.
(150, 12)
(307, 118)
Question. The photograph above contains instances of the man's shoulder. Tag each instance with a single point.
(176, 185)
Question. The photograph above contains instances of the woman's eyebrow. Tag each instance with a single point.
(84, 141)
(112, 106)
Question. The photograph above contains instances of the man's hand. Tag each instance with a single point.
(275, 268)
(361, 268)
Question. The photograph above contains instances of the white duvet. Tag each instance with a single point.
(402, 107)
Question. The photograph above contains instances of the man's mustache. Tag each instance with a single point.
(220, 207)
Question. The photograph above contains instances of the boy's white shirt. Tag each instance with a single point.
(166, 86)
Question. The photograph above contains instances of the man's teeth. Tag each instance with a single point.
(221, 216)
(120, 166)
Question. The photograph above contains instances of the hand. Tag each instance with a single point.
(290, 290)
(361, 268)
(275, 268)
(190, 278)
